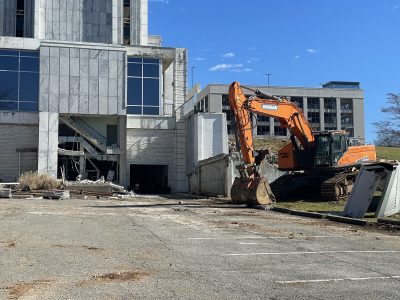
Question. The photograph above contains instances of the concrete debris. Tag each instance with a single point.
(5, 192)
(382, 177)
(56, 194)
(97, 188)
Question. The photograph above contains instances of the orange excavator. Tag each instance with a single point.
(320, 162)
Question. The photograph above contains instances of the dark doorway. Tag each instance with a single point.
(149, 179)
(112, 135)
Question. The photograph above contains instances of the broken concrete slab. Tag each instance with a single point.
(5, 193)
(382, 177)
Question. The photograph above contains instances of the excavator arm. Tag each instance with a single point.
(288, 114)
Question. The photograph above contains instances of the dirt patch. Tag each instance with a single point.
(124, 276)
(22, 289)
(9, 244)
(128, 276)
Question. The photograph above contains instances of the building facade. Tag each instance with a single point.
(336, 106)
(85, 90)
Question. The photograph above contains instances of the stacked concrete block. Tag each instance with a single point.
(82, 81)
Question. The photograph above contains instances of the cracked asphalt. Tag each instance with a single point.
(177, 248)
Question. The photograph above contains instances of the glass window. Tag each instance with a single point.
(262, 130)
(151, 70)
(8, 85)
(151, 110)
(134, 91)
(298, 101)
(9, 52)
(29, 53)
(8, 105)
(330, 103)
(151, 61)
(19, 80)
(28, 106)
(263, 119)
(313, 103)
(135, 59)
(135, 70)
(134, 110)
(29, 87)
(9, 63)
(144, 90)
(29, 64)
(151, 92)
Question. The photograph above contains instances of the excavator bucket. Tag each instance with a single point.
(252, 191)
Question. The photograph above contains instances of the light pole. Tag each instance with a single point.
(268, 75)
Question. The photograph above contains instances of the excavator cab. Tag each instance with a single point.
(330, 146)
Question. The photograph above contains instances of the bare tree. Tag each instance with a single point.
(388, 131)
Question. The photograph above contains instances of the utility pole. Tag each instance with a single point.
(268, 75)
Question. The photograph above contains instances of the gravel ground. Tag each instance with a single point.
(170, 248)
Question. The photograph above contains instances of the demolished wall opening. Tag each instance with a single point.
(149, 179)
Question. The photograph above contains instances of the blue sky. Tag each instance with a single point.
(300, 42)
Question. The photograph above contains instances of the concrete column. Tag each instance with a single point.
(123, 166)
(254, 120)
(82, 161)
(338, 115)
(117, 16)
(358, 118)
(271, 126)
(48, 143)
(139, 22)
(305, 107)
(322, 113)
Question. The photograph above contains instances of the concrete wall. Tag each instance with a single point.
(77, 20)
(209, 136)
(152, 147)
(19, 143)
(214, 176)
(81, 80)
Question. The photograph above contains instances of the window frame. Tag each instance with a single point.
(143, 61)
(21, 104)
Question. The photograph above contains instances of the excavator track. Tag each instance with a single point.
(324, 186)
(337, 187)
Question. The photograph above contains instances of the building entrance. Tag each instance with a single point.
(149, 179)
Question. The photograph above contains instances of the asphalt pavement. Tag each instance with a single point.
(178, 248)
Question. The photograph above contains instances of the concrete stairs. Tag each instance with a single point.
(88, 147)
(89, 133)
